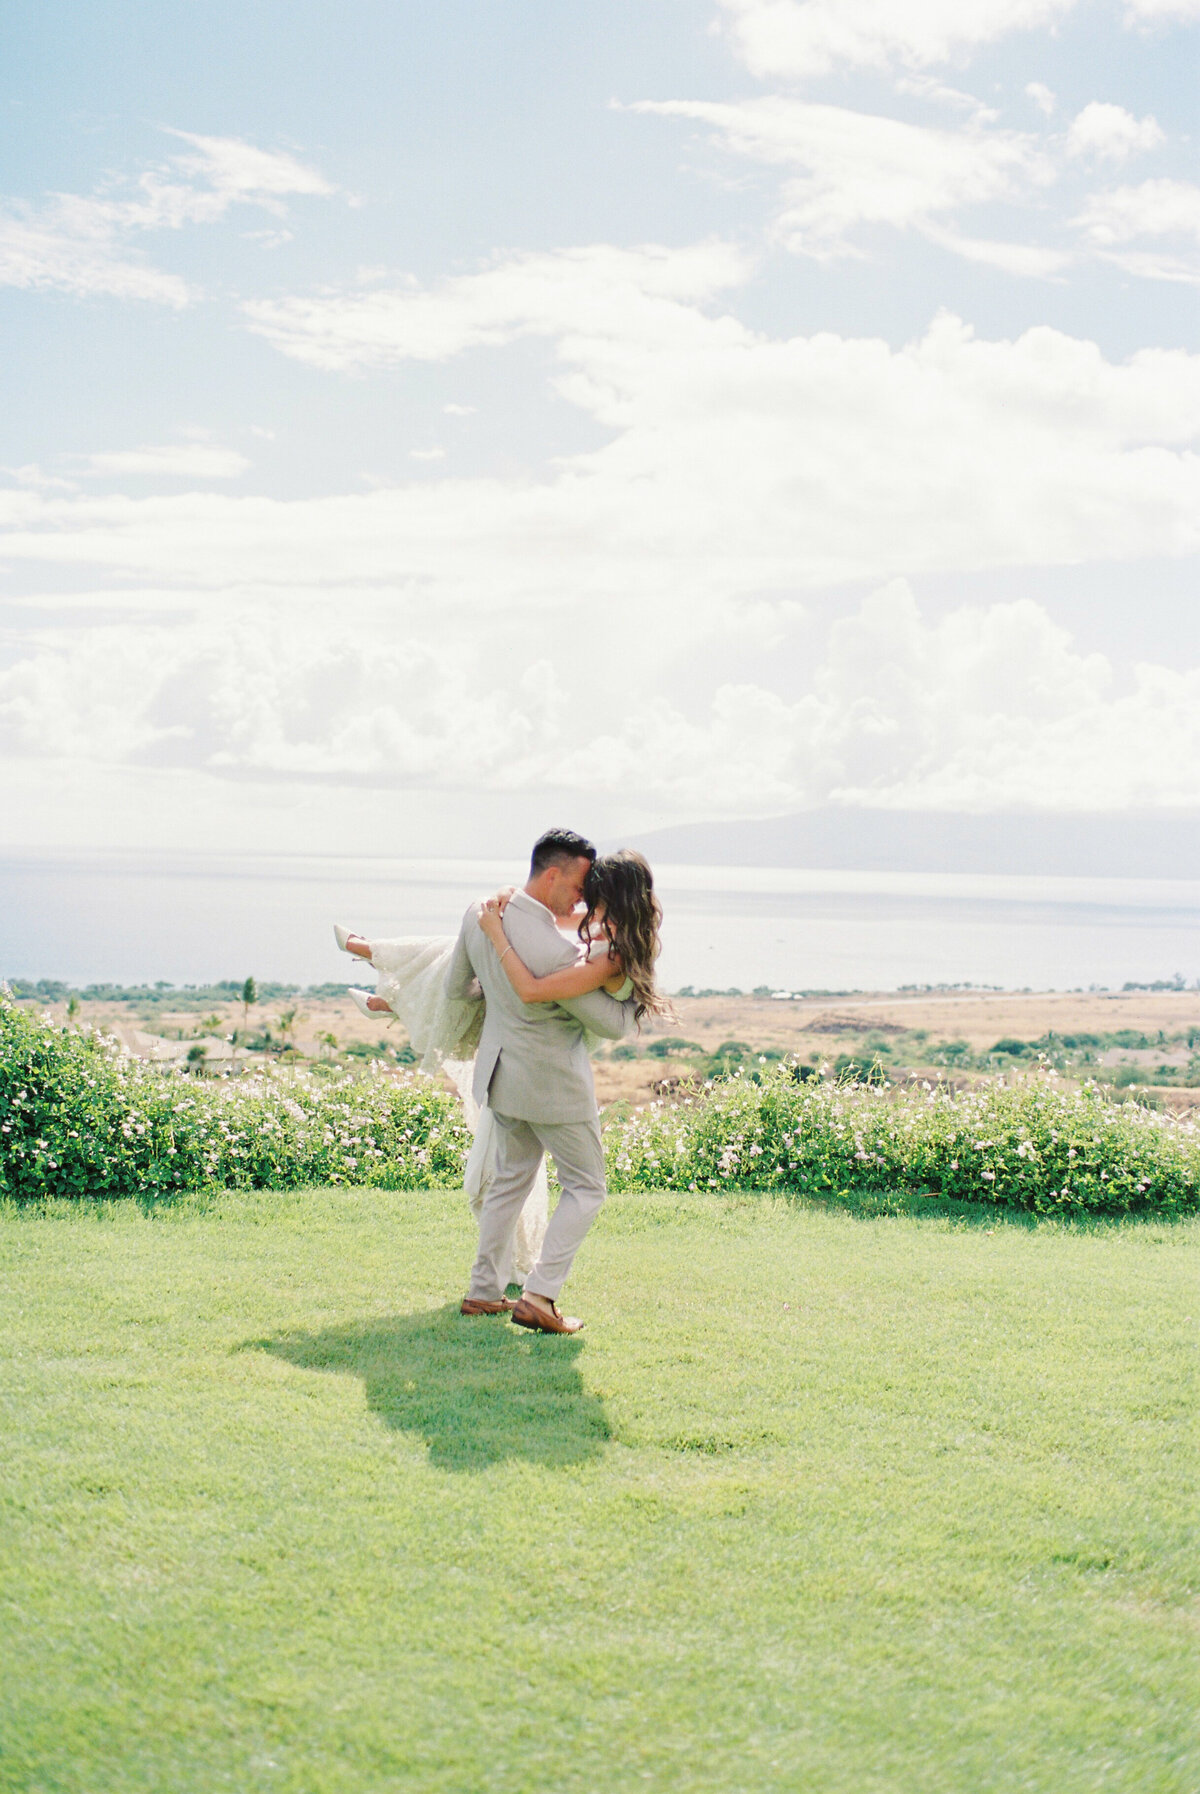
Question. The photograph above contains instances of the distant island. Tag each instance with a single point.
(1157, 844)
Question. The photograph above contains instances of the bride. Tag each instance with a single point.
(618, 938)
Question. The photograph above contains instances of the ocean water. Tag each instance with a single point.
(193, 919)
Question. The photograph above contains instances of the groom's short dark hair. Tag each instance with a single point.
(557, 846)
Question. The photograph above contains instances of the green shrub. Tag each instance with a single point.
(956, 1053)
(76, 1119)
(847, 1069)
(1033, 1147)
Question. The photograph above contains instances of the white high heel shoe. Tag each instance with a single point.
(341, 936)
(359, 999)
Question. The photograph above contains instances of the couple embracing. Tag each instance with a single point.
(534, 974)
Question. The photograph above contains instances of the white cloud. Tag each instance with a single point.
(1152, 12)
(1106, 133)
(929, 88)
(1163, 208)
(796, 39)
(1152, 209)
(734, 463)
(1030, 261)
(857, 170)
(241, 171)
(29, 474)
(1042, 97)
(1149, 264)
(73, 245)
(518, 634)
(429, 454)
(181, 461)
(514, 634)
(81, 243)
(986, 707)
(245, 697)
(860, 168)
(594, 291)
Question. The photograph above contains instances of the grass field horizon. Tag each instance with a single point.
(820, 1500)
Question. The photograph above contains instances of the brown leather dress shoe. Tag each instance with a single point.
(531, 1314)
(476, 1305)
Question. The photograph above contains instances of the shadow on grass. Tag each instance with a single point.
(477, 1390)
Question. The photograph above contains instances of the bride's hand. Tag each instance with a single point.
(489, 913)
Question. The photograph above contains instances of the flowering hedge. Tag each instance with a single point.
(76, 1119)
(1031, 1146)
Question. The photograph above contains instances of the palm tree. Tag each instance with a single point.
(287, 1024)
(249, 996)
(328, 1043)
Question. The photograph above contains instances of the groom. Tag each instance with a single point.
(532, 1070)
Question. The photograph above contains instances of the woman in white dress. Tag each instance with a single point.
(618, 939)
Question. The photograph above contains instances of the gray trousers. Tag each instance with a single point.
(579, 1158)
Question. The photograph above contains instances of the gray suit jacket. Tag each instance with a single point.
(532, 1062)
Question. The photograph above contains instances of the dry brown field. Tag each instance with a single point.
(812, 1026)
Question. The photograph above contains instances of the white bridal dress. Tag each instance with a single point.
(445, 1035)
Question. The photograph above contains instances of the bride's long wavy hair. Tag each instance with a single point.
(619, 893)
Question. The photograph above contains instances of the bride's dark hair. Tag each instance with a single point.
(621, 885)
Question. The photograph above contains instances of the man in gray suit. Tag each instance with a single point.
(532, 1070)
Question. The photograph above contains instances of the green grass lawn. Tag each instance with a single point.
(819, 1501)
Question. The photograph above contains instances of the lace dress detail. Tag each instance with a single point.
(412, 982)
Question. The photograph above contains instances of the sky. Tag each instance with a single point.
(421, 424)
